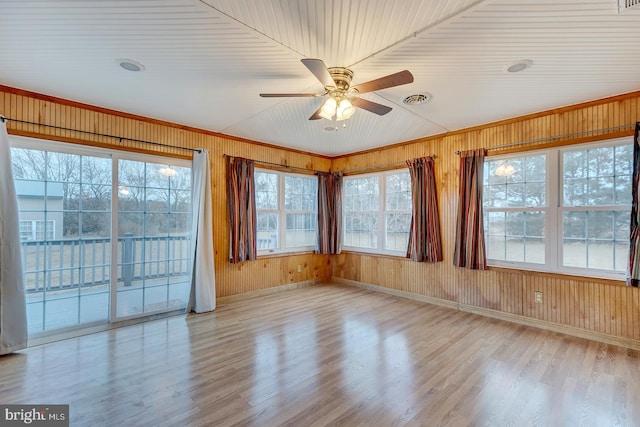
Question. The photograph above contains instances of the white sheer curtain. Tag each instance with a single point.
(203, 280)
(13, 317)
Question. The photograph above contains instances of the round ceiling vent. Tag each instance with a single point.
(417, 99)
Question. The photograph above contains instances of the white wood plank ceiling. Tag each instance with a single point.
(207, 61)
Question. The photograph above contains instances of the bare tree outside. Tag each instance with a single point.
(371, 202)
(65, 203)
(594, 200)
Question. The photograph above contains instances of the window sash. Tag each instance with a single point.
(378, 238)
(284, 239)
(557, 258)
(90, 261)
(32, 229)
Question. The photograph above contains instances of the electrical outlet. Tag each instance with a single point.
(537, 297)
(299, 268)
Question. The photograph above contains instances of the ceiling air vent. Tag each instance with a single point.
(419, 98)
(628, 4)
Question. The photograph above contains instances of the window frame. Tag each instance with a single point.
(49, 229)
(562, 208)
(381, 214)
(281, 212)
(554, 210)
(114, 155)
(550, 196)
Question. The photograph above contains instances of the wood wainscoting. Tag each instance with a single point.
(595, 306)
(231, 279)
(497, 314)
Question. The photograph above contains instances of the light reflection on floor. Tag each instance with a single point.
(284, 358)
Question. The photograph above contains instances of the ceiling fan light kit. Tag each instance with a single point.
(329, 108)
(345, 109)
(343, 99)
(338, 106)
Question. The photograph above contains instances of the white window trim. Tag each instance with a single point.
(282, 216)
(587, 272)
(33, 229)
(381, 215)
(114, 155)
(553, 213)
(550, 249)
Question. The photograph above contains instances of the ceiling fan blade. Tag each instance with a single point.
(282, 95)
(317, 67)
(397, 79)
(374, 107)
(316, 115)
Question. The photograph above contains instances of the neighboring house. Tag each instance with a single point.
(40, 209)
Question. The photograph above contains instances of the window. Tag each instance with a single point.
(289, 200)
(37, 230)
(105, 234)
(515, 209)
(561, 210)
(377, 212)
(595, 208)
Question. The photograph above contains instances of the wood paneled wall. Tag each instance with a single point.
(230, 279)
(596, 306)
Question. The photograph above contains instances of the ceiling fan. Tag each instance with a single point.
(343, 98)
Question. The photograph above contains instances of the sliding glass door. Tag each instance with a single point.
(105, 234)
(154, 224)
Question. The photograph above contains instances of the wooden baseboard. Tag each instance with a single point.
(395, 292)
(268, 291)
(513, 318)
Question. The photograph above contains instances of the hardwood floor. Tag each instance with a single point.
(329, 355)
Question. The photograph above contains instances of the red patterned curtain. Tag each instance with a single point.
(469, 245)
(424, 236)
(241, 203)
(634, 247)
(329, 213)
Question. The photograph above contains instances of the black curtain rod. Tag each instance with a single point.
(388, 165)
(433, 156)
(86, 132)
(553, 138)
(279, 165)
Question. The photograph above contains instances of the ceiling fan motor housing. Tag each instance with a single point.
(343, 99)
(342, 76)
